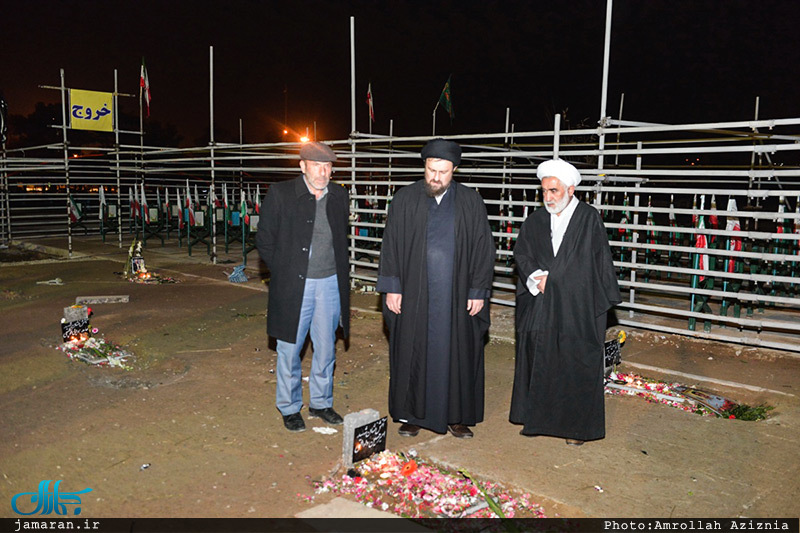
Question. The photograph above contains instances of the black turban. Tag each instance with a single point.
(442, 149)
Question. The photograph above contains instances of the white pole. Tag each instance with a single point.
(241, 152)
(211, 144)
(505, 158)
(604, 93)
(353, 130)
(391, 130)
(433, 132)
(353, 77)
(116, 152)
(621, 104)
(66, 157)
(141, 159)
(556, 135)
(632, 298)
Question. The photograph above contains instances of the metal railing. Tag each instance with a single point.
(664, 181)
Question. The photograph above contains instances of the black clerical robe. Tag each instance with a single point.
(558, 378)
(459, 240)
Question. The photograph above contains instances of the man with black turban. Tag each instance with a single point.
(436, 267)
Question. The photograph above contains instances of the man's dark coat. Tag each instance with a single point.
(285, 229)
(558, 379)
(403, 260)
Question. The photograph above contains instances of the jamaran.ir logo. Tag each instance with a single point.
(46, 502)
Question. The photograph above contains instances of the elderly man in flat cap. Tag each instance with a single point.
(566, 285)
(436, 267)
(302, 237)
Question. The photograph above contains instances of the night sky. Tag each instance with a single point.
(676, 61)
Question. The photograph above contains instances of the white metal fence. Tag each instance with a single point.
(662, 189)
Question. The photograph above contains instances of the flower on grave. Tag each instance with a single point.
(732, 416)
(409, 468)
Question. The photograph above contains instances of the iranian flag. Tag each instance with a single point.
(144, 84)
(625, 220)
(779, 228)
(243, 211)
(135, 205)
(797, 223)
(227, 205)
(673, 223)
(369, 102)
(217, 202)
(509, 225)
(75, 212)
(145, 210)
(102, 194)
(180, 208)
(701, 243)
(525, 205)
(652, 236)
(258, 199)
(713, 221)
(734, 243)
(189, 206)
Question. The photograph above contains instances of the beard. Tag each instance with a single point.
(435, 189)
(559, 206)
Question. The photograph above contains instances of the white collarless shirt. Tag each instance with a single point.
(559, 223)
(558, 227)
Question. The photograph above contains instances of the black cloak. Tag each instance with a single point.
(558, 378)
(403, 269)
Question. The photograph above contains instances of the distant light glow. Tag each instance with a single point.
(304, 139)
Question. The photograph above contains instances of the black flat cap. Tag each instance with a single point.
(314, 151)
(442, 149)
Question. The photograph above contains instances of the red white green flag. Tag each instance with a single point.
(144, 84)
(180, 207)
(101, 193)
(189, 205)
(135, 202)
(227, 205)
(734, 243)
(145, 209)
(369, 102)
(243, 211)
(701, 243)
(75, 212)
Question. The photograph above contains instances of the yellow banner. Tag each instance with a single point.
(91, 110)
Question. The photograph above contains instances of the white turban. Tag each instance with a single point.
(558, 168)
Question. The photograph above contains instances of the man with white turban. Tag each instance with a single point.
(565, 288)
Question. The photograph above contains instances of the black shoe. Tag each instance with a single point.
(409, 430)
(294, 422)
(328, 415)
(460, 431)
(522, 432)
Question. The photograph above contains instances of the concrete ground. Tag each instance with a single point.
(198, 408)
